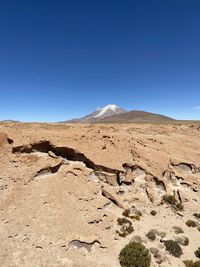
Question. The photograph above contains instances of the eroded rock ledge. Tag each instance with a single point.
(173, 180)
(66, 153)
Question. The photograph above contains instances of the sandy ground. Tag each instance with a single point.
(63, 187)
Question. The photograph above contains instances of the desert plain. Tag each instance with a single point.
(64, 186)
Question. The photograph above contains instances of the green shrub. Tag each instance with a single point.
(171, 200)
(192, 264)
(173, 248)
(197, 253)
(153, 212)
(121, 221)
(126, 227)
(134, 255)
(136, 216)
(178, 230)
(191, 223)
(179, 206)
(138, 213)
(182, 240)
(126, 213)
(151, 235)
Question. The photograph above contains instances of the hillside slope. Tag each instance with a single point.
(137, 116)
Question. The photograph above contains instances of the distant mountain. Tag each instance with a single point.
(114, 113)
(137, 116)
(10, 121)
(100, 113)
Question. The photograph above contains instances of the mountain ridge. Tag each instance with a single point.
(137, 116)
(114, 113)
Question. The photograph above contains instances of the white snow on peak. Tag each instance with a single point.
(105, 109)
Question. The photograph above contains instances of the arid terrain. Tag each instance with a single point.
(64, 186)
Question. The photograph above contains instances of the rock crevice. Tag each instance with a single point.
(66, 153)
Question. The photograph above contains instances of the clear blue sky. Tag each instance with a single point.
(62, 59)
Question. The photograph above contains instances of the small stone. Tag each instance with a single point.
(51, 154)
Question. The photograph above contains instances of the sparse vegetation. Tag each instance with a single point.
(126, 227)
(122, 221)
(182, 240)
(187, 241)
(179, 206)
(192, 264)
(178, 230)
(191, 223)
(134, 255)
(173, 248)
(159, 256)
(188, 263)
(151, 235)
(136, 216)
(169, 199)
(172, 201)
(126, 213)
(153, 212)
(138, 213)
(197, 253)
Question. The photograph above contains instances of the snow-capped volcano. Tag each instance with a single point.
(114, 113)
(101, 113)
(108, 110)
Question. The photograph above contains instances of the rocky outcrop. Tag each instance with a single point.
(66, 153)
(105, 177)
(111, 195)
